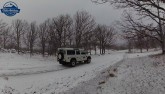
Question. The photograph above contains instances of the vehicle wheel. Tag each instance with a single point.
(88, 60)
(73, 62)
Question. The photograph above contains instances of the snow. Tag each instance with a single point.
(13, 64)
(138, 76)
(21, 74)
(132, 75)
(136, 55)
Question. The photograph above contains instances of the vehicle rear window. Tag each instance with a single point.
(70, 52)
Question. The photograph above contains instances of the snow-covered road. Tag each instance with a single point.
(24, 75)
(15, 65)
(51, 81)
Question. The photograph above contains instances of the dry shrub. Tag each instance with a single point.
(156, 64)
(6, 78)
(112, 75)
(115, 69)
(102, 82)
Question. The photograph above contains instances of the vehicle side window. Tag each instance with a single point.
(70, 52)
(77, 52)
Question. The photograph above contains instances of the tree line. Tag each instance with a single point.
(79, 31)
(144, 22)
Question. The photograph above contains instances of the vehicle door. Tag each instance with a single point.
(83, 55)
(78, 55)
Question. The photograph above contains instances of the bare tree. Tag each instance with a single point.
(105, 36)
(152, 9)
(26, 37)
(94, 42)
(18, 28)
(3, 26)
(43, 36)
(67, 37)
(6, 36)
(140, 42)
(62, 24)
(32, 36)
(60, 32)
(70, 36)
(84, 23)
(136, 27)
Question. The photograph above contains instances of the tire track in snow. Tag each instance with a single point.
(35, 70)
(32, 71)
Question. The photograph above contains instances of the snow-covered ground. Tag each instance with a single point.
(37, 75)
(14, 64)
(138, 76)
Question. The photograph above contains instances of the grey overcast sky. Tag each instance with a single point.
(40, 10)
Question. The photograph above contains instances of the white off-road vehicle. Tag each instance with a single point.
(72, 56)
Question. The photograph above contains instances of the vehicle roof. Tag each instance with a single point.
(70, 49)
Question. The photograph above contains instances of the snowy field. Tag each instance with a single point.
(140, 75)
(144, 75)
(20, 74)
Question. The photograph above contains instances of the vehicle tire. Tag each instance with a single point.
(88, 60)
(73, 62)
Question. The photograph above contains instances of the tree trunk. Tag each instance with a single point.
(31, 50)
(129, 46)
(95, 50)
(70, 42)
(162, 46)
(147, 44)
(141, 50)
(4, 43)
(18, 46)
(100, 49)
(43, 50)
